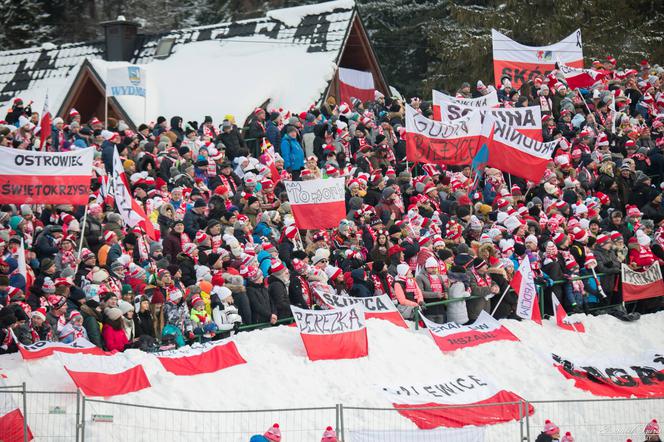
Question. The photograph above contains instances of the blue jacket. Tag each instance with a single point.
(264, 260)
(272, 134)
(292, 153)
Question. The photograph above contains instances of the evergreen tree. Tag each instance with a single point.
(23, 24)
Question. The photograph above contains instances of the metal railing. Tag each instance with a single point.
(57, 415)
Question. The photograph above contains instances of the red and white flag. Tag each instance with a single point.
(456, 402)
(45, 128)
(42, 349)
(522, 63)
(626, 377)
(579, 78)
(11, 418)
(206, 358)
(513, 152)
(356, 84)
(437, 142)
(317, 204)
(105, 375)
(31, 177)
(526, 120)
(486, 101)
(267, 158)
(562, 320)
(527, 305)
(642, 285)
(378, 307)
(338, 333)
(452, 336)
(132, 213)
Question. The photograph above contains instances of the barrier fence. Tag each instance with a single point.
(56, 416)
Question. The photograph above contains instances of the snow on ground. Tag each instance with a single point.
(278, 375)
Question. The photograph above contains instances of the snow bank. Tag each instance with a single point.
(278, 375)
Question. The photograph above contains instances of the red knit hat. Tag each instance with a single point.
(217, 279)
(273, 433)
(550, 428)
(602, 238)
(277, 266)
(329, 435)
(559, 238)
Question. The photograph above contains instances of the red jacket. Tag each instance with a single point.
(114, 339)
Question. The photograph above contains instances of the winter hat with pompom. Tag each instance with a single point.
(273, 433)
(567, 437)
(550, 428)
(329, 435)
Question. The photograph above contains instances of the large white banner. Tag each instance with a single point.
(126, 80)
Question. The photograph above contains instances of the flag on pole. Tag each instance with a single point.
(561, 317)
(317, 204)
(132, 213)
(45, 125)
(267, 158)
(579, 78)
(527, 306)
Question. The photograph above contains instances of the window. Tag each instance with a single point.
(164, 47)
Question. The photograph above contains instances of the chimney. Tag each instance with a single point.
(121, 38)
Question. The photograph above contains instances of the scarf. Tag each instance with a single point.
(436, 283)
(482, 281)
(306, 289)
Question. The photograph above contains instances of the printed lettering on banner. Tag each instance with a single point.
(317, 204)
(458, 401)
(321, 322)
(640, 377)
(31, 177)
(642, 285)
(436, 142)
(126, 80)
(378, 307)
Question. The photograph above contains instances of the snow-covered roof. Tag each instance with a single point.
(33, 72)
(287, 57)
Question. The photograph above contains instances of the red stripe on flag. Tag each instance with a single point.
(516, 162)
(11, 427)
(346, 91)
(347, 345)
(633, 292)
(472, 338)
(393, 317)
(215, 359)
(45, 129)
(103, 384)
(561, 315)
(44, 189)
(601, 386)
(27, 355)
(318, 216)
(520, 72)
(456, 416)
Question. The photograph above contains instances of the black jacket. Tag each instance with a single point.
(279, 298)
(259, 299)
(187, 268)
(143, 324)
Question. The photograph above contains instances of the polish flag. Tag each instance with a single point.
(45, 125)
(456, 402)
(11, 419)
(206, 358)
(132, 213)
(513, 152)
(317, 204)
(105, 375)
(378, 307)
(441, 99)
(527, 306)
(579, 78)
(442, 142)
(642, 285)
(355, 84)
(42, 349)
(521, 63)
(526, 120)
(452, 336)
(561, 317)
(33, 177)
(267, 158)
(338, 333)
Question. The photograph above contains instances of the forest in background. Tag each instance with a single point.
(420, 44)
